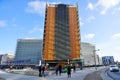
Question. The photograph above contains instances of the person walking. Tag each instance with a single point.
(56, 70)
(40, 69)
(60, 69)
(43, 70)
(69, 71)
(74, 68)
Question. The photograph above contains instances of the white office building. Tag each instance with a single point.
(7, 58)
(88, 52)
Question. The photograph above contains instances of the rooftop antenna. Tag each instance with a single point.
(46, 4)
(77, 4)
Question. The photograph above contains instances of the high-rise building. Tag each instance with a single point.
(28, 51)
(61, 32)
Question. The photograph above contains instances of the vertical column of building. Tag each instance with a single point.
(74, 33)
(62, 41)
(49, 33)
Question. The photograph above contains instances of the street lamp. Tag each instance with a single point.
(94, 52)
(68, 61)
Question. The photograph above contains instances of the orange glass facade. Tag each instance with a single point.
(50, 33)
(48, 49)
(74, 33)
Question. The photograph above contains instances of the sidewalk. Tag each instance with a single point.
(10, 76)
(78, 75)
(29, 72)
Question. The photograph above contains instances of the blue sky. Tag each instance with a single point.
(99, 23)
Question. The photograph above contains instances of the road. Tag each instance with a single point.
(114, 75)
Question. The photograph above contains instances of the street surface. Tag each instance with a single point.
(114, 75)
(78, 75)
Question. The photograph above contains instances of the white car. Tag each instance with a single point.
(114, 68)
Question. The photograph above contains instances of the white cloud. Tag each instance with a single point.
(29, 38)
(90, 18)
(90, 6)
(36, 29)
(81, 22)
(89, 36)
(116, 36)
(14, 23)
(107, 4)
(2, 23)
(117, 48)
(117, 9)
(56, 3)
(37, 7)
(109, 49)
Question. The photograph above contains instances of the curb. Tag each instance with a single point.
(105, 75)
(109, 75)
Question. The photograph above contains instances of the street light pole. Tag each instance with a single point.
(68, 61)
(94, 53)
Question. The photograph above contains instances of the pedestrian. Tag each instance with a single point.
(74, 68)
(40, 69)
(69, 71)
(43, 70)
(56, 70)
(60, 69)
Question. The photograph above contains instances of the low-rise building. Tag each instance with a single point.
(88, 52)
(7, 59)
(1, 58)
(107, 60)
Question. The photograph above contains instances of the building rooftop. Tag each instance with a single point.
(29, 40)
(54, 5)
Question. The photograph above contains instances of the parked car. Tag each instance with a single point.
(114, 68)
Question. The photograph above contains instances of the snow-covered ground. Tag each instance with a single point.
(78, 75)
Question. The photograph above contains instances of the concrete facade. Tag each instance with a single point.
(89, 54)
(6, 58)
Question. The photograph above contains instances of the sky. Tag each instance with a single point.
(99, 23)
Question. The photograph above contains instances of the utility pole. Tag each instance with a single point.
(94, 53)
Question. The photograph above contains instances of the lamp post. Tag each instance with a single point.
(68, 61)
(94, 53)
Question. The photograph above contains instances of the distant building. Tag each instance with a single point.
(107, 60)
(100, 61)
(7, 59)
(28, 51)
(87, 48)
(88, 54)
(0, 58)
